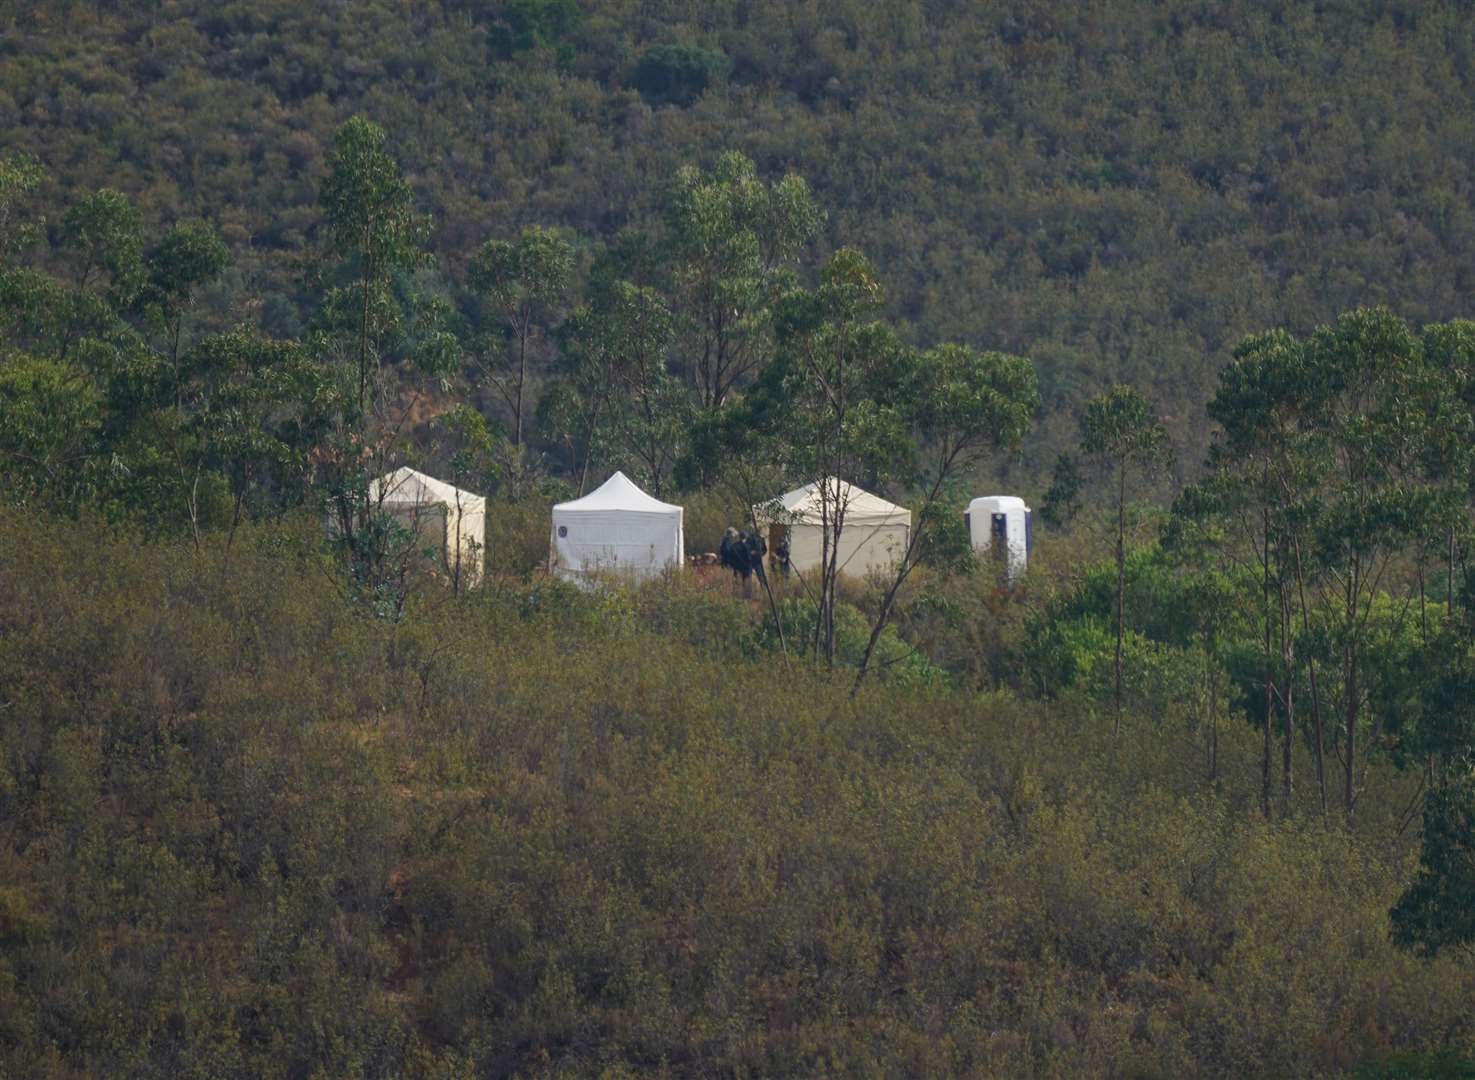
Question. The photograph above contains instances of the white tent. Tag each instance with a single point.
(1006, 520)
(874, 533)
(445, 518)
(616, 528)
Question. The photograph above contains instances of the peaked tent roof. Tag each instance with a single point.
(861, 507)
(619, 492)
(409, 487)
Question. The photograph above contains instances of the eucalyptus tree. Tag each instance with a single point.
(1266, 468)
(375, 326)
(1118, 432)
(1370, 387)
(522, 285)
(1063, 497)
(731, 242)
(651, 407)
(833, 395)
(50, 423)
(375, 234)
(1449, 458)
(1437, 911)
(251, 408)
(102, 245)
(20, 175)
(188, 258)
(960, 405)
(617, 395)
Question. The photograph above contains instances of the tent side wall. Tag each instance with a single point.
(469, 538)
(805, 550)
(863, 548)
(430, 524)
(587, 542)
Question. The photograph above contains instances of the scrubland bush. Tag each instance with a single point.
(517, 535)
(707, 513)
(251, 830)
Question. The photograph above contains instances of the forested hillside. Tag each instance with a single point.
(1118, 189)
(287, 789)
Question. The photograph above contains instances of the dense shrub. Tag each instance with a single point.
(678, 74)
(252, 831)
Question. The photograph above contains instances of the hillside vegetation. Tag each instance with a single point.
(1118, 189)
(248, 830)
(1191, 796)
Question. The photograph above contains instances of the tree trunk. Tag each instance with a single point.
(1449, 585)
(1121, 583)
(1269, 670)
(1213, 724)
(773, 608)
(1349, 673)
(1423, 613)
(522, 374)
(363, 416)
(1288, 664)
(1319, 734)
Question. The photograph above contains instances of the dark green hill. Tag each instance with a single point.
(1117, 189)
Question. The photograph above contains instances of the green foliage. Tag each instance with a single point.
(1063, 498)
(1006, 167)
(373, 229)
(443, 840)
(465, 846)
(1438, 910)
(521, 284)
(676, 74)
(535, 24)
(20, 175)
(1117, 428)
(102, 233)
(49, 419)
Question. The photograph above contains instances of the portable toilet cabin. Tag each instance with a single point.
(615, 529)
(1002, 527)
(440, 517)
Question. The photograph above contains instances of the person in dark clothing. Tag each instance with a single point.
(781, 555)
(757, 549)
(743, 554)
(733, 554)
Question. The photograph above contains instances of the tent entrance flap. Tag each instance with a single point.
(873, 533)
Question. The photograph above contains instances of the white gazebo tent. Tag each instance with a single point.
(1005, 521)
(873, 536)
(615, 529)
(444, 517)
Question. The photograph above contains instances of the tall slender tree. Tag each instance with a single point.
(1119, 432)
(522, 283)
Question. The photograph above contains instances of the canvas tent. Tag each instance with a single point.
(874, 535)
(1003, 526)
(615, 529)
(445, 518)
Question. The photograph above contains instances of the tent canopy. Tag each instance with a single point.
(618, 493)
(616, 528)
(875, 535)
(408, 487)
(804, 506)
(441, 514)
